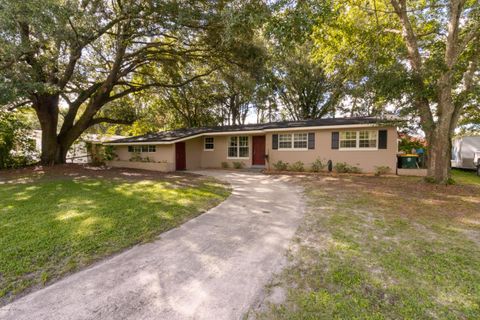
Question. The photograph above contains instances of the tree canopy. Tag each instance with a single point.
(160, 65)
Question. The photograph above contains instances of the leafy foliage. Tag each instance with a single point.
(318, 165)
(343, 167)
(280, 165)
(92, 56)
(17, 149)
(297, 166)
(238, 165)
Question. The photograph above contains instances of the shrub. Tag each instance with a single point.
(135, 157)
(296, 166)
(109, 153)
(225, 165)
(343, 167)
(318, 166)
(238, 165)
(17, 148)
(381, 170)
(280, 165)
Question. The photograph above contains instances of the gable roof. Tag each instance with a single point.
(182, 134)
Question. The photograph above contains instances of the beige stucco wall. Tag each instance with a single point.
(163, 159)
(193, 153)
(366, 160)
(214, 158)
(197, 157)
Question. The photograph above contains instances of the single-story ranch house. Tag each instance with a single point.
(364, 142)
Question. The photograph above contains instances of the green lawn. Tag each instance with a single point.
(383, 248)
(465, 176)
(55, 225)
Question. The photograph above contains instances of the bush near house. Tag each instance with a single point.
(343, 167)
(280, 165)
(296, 167)
(317, 166)
(238, 165)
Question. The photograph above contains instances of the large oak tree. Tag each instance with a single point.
(71, 60)
(423, 55)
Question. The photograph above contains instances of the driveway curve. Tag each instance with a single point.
(212, 267)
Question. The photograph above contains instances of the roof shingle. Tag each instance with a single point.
(173, 135)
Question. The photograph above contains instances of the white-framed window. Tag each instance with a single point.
(144, 148)
(363, 139)
(368, 139)
(300, 141)
(291, 141)
(285, 141)
(209, 144)
(238, 147)
(348, 139)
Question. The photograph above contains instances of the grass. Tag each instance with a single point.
(51, 227)
(383, 248)
(465, 176)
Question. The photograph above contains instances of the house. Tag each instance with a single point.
(466, 152)
(364, 142)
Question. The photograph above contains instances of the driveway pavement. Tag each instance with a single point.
(212, 267)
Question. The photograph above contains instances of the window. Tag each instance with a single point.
(209, 145)
(365, 139)
(368, 139)
(238, 147)
(284, 141)
(348, 139)
(145, 148)
(300, 141)
(293, 141)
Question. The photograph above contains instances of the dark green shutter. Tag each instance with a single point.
(311, 140)
(275, 141)
(382, 139)
(335, 140)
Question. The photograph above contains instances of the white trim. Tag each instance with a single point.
(292, 135)
(230, 133)
(204, 143)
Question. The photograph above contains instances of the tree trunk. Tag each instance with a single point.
(440, 139)
(46, 108)
(439, 155)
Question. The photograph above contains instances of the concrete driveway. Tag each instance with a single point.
(212, 267)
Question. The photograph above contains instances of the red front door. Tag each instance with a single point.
(258, 157)
(180, 158)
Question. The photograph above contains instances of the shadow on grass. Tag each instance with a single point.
(384, 248)
(52, 227)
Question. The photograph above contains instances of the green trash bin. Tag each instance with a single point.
(409, 161)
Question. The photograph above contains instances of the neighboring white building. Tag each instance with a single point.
(466, 152)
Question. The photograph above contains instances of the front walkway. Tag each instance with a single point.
(212, 267)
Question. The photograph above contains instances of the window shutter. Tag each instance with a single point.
(275, 141)
(382, 139)
(335, 140)
(311, 140)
